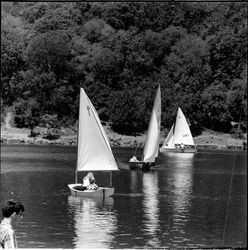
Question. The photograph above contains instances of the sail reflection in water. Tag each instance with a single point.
(180, 199)
(151, 209)
(94, 221)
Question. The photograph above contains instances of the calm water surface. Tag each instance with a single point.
(182, 204)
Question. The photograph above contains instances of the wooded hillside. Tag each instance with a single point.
(119, 52)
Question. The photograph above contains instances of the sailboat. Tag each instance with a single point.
(151, 148)
(94, 152)
(179, 138)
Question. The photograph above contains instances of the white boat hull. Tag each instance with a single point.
(178, 150)
(100, 192)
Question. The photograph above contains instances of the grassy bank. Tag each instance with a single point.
(208, 139)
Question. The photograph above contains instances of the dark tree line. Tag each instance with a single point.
(119, 52)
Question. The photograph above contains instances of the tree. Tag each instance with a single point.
(228, 55)
(49, 51)
(12, 48)
(123, 106)
(215, 109)
(27, 113)
(130, 109)
(32, 11)
(96, 30)
(237, 99)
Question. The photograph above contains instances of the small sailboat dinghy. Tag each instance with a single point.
(151, 148)
(179, 138)
(94, 151)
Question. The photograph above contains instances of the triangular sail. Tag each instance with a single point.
(168, 142)
(152, 140)
(94, 151)
(182, 132)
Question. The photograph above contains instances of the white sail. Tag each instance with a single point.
(182, 132)
(168, 142)
(94, 151)
(152, 140)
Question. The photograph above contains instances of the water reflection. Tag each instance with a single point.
(181, 193)
(151, 209)
(133, 184)
(94, 221)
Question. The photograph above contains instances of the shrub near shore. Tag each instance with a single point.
(208, 139)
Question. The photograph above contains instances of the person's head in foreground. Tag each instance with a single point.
(12, 211)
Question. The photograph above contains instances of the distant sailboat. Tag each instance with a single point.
(179, 138)
(94, 151)
(151, 148)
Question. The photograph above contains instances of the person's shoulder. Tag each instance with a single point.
(6, 229)
(5, 224)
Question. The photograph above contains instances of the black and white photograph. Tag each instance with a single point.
(123, 125)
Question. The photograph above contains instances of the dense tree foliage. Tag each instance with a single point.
(119, 52)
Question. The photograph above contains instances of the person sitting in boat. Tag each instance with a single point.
(182, 146)
(133, 159)
(86, 180)
(92, 185)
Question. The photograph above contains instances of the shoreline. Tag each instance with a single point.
(207, 140)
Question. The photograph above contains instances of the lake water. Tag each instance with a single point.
(182, 204)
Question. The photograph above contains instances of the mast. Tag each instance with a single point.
(110, 179)
(76, 175)
(173, 132)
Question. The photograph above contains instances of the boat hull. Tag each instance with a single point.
(100, 192)
(135, 165)
(178, 150)
(140, 165)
